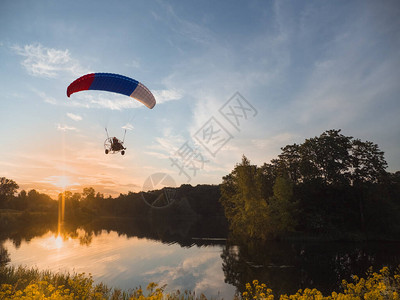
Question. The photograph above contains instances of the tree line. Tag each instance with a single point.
(31, 200)
(194, 201)
(331, 185)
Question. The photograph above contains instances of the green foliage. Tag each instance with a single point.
(257, 291)
(377, 286)
(281, 208)
(334, 159)
(249, 210)
(245, 208)
(328, 185)
(22, 283)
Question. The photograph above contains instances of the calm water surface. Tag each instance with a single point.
(189, 255)
(123, 262)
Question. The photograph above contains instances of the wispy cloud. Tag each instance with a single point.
(97, 99)
(74, 117)
(46, 98)
(134, 63)
(159, 155)
(167, 95)
(183, 27)
(168, 144)
(128, 126)
(41, 61)
(64, 127)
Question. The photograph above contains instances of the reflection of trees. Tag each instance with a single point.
(4, 255)
(288, 266)
(166, 230)
(174, 229)
(25, 226)
(272, 263)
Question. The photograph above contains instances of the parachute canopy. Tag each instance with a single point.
(113, 83)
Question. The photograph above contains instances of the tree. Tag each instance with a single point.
(89, 193)
(332, 158)
(267, 174)
(8, 188)
(39, 201)
(331, 183)
(289, 162)
(281, 209)
(241, 197)
(326, 157)
(367, 162)
(21, 201)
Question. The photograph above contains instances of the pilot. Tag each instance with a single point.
(116, 145)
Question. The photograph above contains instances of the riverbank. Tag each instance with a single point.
(21, 283)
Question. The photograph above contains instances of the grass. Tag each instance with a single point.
(25, 283)
(30, 283)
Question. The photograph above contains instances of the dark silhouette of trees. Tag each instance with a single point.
(193, 202)
(331, 184)
(8, 188)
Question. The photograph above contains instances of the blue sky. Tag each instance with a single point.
(300, 67)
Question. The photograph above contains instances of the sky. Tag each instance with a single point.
(230, 78)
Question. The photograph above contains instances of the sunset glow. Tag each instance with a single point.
(58, 242)
(52, 242)
(62, 181)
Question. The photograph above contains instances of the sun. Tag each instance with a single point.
(58, 242)
(52, 242)
(61, 181)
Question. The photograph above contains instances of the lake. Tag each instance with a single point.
(191, 255)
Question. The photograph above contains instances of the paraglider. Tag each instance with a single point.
(117, 84)
(113, 83)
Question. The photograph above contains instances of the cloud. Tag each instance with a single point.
(157, 154)
(74, 117)
(41, 61)
(167, 95)
(112, 166)
(183, 27)
(64, 127)
(99, 99)
(128, 126)
(280, 139)
(46, 98)
(134, 63)
(168, 143)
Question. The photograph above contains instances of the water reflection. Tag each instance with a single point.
(289, 266)
(125, 262)
(187, 254)
(126, 253)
